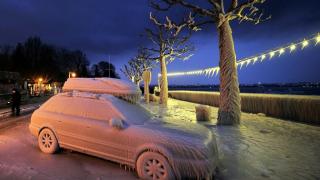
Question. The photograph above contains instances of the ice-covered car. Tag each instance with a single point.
(105, 126)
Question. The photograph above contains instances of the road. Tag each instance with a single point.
(20, 158)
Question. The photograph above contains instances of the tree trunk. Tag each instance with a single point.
(138, 83)
(163, 81)
(146, 75)
(146, 92)
(229, 106)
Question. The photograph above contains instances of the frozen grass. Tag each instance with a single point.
(259, 148)
(293, 107)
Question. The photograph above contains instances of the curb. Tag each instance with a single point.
(23, 110)
(5, 123)
(7, 120)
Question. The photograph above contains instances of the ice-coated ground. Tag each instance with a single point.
(260, 148)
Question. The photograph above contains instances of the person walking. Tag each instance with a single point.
(15, 102)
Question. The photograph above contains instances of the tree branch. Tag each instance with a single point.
(239, 11)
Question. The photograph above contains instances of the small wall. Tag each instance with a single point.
(293, 107)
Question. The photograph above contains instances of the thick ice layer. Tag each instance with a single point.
(123, 89)
(87, 105)
(191, 148)
(260, 148)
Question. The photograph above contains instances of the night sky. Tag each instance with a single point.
(113, 27)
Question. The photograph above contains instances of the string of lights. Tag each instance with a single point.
(289, 48)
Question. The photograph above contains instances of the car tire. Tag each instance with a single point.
(152, 165)
(48, 142)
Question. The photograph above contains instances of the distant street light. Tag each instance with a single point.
(72, 75)
(39, 84)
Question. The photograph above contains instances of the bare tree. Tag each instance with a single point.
(230, 102)
(170, 42)
(137, 65)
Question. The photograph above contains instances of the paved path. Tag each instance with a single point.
(20, 158)
(6, 112)
(260, 148)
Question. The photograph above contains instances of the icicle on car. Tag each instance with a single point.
(99, 124)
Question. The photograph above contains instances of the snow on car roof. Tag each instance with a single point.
(122, 89)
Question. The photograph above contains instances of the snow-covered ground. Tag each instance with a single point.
(260, 148)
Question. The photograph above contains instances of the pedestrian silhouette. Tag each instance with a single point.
(15, 102)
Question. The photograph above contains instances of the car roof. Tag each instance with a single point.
(100, 104)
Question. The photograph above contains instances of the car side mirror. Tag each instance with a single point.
(117, 123)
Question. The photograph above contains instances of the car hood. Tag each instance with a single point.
(176, 131)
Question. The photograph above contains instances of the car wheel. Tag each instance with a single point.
(151, 165)
(47, 141)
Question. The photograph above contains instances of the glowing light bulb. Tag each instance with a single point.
(304, 43)
(255, 60)
(241, 64)
(271, 54)
(263, 56)
(281, 51)
(318, 39)
(292, 47)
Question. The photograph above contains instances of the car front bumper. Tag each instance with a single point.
(185, 168)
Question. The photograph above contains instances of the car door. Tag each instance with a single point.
(104, 140)
(67, 117)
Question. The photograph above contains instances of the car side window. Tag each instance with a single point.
(83, 107)
(100, 110)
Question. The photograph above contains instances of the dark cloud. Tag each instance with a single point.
(115, 26)
(94, 26)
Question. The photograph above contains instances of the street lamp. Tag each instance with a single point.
(72, 75)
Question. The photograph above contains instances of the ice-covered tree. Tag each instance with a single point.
(169, 42)
(135, 67)
(214, 11)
